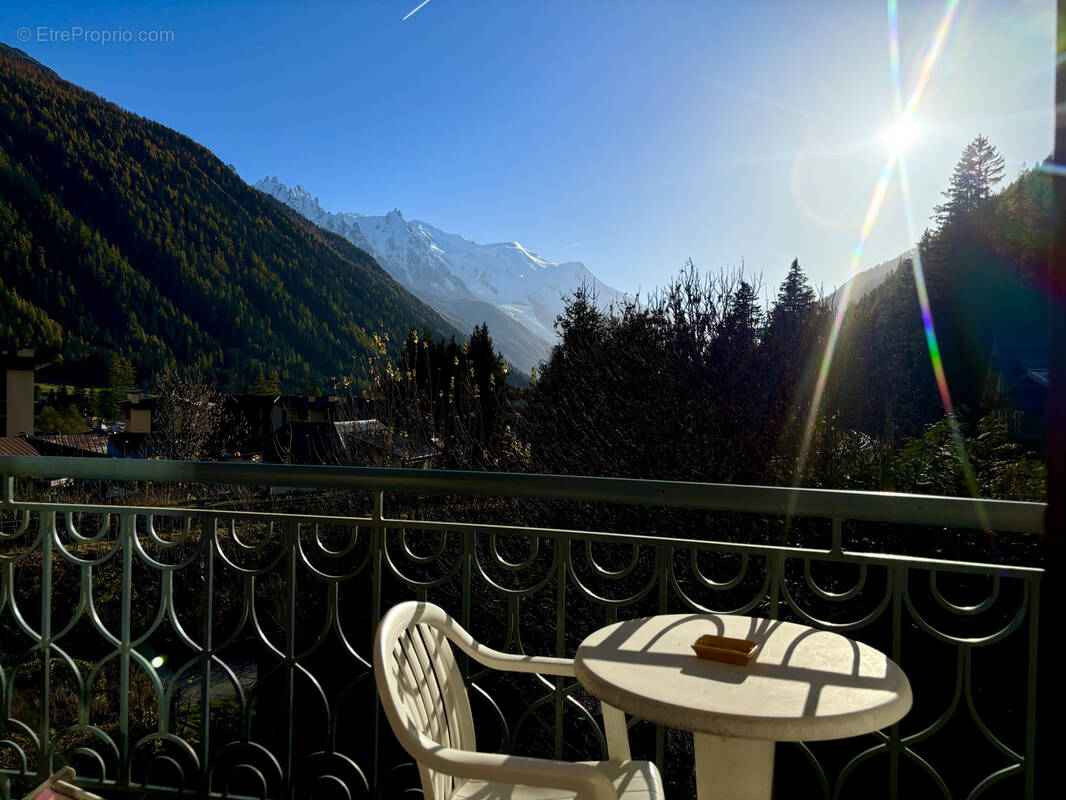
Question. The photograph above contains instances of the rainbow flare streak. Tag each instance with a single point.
(936, 360)
(872, 211)
(939, 37)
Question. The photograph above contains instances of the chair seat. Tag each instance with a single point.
(634, 780)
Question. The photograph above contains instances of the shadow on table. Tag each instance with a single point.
(613, 648)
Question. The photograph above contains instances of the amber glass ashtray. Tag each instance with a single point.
(722, 648)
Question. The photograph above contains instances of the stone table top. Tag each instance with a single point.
(803, 684)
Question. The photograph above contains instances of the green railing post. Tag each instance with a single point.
(898, 577)
(292, 536)
(775, 565)
(663, 558)
(1031, 707)
(127, 533)
(44, 730)
(377, 548)
(207, 545)
(560, 641)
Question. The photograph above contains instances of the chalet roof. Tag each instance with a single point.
(140, 401)
(1039, 376)
(91, 444)
(17, 360)
(1021, 357)
(376, 434)
(311, 401)
(339, 442)
(16, 446)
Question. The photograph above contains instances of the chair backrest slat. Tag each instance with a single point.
(456, 698)
(425, 691)
(430, 688)
(411, 698)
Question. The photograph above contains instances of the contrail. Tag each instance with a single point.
(414, 11)
(575, 244)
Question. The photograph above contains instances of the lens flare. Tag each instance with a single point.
(936, 360)
(931, 55)
(902, 135)
(906, 112)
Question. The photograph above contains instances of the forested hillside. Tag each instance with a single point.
(984, 265)
(120, 236)
(701, 383)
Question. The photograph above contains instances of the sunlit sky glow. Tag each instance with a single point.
(628, 135)
(900, 137)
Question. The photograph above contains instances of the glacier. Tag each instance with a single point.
(514, 291)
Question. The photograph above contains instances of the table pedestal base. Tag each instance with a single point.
(733, 769)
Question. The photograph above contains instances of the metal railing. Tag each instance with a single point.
(223, 650)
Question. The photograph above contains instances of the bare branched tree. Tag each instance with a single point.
(187, 424)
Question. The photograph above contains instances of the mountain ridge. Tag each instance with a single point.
(125, 238)
(458, 276)
(864, 282)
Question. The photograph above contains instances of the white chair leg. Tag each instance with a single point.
(614, 725)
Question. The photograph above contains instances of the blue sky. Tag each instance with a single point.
(627, 135)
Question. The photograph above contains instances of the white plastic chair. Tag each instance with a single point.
(58, 786)
(427, 705)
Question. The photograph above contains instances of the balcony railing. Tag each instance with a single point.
(172, 629)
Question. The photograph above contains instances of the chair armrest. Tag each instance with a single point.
(65, 774)
(73, 792)
(508, 662)
(587, 781)
(511, 662)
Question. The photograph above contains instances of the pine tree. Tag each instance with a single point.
(274, 383)
(795, 297)
(260, 386)
(740, 323)
(978, 170)
(266, 386)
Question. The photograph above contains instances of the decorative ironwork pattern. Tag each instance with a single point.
(213, 652)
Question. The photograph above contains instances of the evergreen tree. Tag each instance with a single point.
(739, 327)
(446, 395)
(66, 420)
(266, 386)
(119, 375)
(978, 170)
(274, 382)
(120, 378)
(795, 297)
(791, 345)
(789, 318)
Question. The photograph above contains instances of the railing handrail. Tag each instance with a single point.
(997, 515)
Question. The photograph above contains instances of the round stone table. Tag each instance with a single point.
(803, 684)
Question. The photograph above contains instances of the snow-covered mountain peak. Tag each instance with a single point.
(296, 197)
(466, 281)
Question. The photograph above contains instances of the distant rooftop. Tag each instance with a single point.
(16, 446)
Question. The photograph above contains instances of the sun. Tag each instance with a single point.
(901, 135)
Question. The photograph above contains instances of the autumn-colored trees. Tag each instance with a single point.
(448, 398)
(120, 236)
